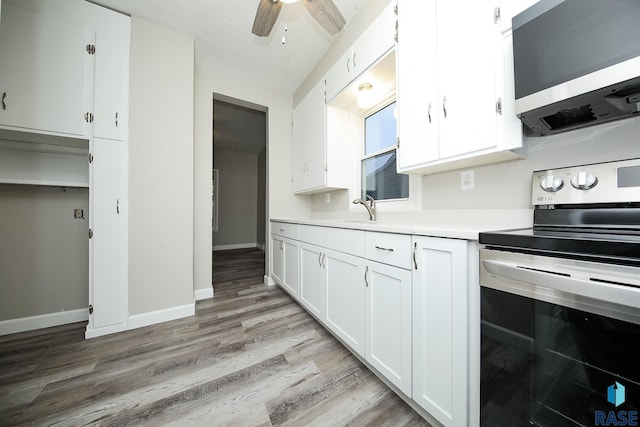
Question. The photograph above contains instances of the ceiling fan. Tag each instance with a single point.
(323, 11)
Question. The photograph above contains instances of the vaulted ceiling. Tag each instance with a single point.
(222, 33)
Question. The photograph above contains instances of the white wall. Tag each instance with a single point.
(237, 198)
(508, 185)
(280, 200)
(160, 168)
(44, 250)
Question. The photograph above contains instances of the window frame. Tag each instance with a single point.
(411, 203)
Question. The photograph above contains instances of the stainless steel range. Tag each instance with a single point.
(560, 303)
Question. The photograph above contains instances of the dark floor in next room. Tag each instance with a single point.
(250, 357)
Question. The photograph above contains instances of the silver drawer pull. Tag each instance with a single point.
(384, 249)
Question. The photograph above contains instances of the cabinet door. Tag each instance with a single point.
(42, 65)
(108, 289)
(309, 126)
(388, 325)
(466, 74)
(440, 341)
(277, 259)
(312, 280)
(111, 73)
(345, 298)
(417, 83)
(340, 75)
(375, 41)
(290, 278)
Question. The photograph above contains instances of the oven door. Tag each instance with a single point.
(560, 341)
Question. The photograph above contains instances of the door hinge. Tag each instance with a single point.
(91, 49)
(496, 14)
(397, 142)
(90, 309)
(90, 158)
(499, 106)
(395, 9)
(90, 233)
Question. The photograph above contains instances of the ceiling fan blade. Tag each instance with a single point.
(266, 17)
(327, 15)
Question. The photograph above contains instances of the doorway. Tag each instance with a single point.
(240, 164)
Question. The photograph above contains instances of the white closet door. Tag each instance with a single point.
(108, 274)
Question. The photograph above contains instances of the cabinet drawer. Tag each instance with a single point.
(392, 249)
(285, 229)
(339, 239)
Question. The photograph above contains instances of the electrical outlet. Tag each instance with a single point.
(467, 180)
(327, 197)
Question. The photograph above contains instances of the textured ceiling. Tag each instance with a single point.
(222, 33)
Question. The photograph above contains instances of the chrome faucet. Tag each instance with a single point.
(370, 205)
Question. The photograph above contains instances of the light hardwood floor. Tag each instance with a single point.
(249, 357)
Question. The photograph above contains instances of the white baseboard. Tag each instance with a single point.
(237, 246)
(260, 246)
(269, 281)
(205, 293)
(159, 316)
(23, 324)
(112, 329)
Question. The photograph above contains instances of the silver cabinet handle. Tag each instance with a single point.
(384, 249)
(348, 66)
(444, 106)
(354, 60)
(429, 112)
(4, 100)
(116, 119)
(320, 259)
(118, 206)
(324, 257)
(366, 282)
(415, 262)
(281, 244)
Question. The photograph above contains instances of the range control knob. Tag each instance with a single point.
(584, 180)
(551, 183)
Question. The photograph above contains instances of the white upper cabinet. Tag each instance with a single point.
(450, 68)
(74, 55)
(320, 153)
(373, 43)
(111, 56)
(42, 71)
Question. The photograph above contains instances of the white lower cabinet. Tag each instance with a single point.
(312, 280)
(399, 302)
(108, 290)
(346, 298)
(440, 339)
(388, 323)
(285, 263)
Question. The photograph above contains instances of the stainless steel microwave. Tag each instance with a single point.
(576, 63)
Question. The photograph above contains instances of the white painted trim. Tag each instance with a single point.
(23, 324)
(260, 246)
(159, 316)
(200, 294)
(236, 246)
(93, 333)
(269, 281)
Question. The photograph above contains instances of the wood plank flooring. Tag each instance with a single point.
(249, 357)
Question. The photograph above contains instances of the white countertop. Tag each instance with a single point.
(443, 224)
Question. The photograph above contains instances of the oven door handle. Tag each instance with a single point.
(577, 283)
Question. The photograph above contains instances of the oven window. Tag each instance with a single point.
(547, 365)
